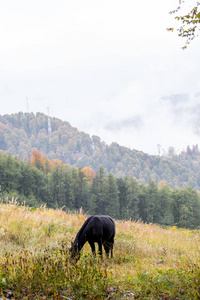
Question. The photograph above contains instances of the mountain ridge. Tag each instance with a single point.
(21, 133)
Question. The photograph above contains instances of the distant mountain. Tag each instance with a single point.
(21, 133)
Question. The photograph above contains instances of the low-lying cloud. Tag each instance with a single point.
(133, 123)
(176, 99)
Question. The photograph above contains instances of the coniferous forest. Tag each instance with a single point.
(41, 181)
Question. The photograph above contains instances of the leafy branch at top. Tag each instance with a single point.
(190, 23)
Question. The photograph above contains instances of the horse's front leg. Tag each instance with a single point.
(92, 245)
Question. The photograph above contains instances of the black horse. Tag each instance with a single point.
(96, 229)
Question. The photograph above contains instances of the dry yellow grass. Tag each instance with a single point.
(154, 247)
(139, 248)
(150, 245)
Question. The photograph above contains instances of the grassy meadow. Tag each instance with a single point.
(150, 262)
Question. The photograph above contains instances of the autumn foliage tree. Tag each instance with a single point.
(39, 161)
(58, 162)
(89, 172)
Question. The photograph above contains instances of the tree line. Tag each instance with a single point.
(62, 186)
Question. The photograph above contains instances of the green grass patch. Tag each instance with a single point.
(51, 274)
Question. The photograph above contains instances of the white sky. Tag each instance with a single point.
(108, 67)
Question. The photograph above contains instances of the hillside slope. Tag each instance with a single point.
(20, 133)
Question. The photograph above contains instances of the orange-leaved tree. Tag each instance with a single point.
(39, 161)
(89, 172)
(58, 163)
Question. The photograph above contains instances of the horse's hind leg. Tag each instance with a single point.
(111, 246)
(108, 246)
(112, 250)
(92, 245)
(100, 248)
(107, 249)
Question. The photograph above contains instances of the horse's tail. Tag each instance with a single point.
(114, 228)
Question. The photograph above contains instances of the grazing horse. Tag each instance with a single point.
(96, 229)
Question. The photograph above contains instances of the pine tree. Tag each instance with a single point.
(69, 198)
(133, 198)
(98, 192)
(111, 197)
(123, 198)
(165, 206)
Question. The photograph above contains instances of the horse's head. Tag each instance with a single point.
(74, 252)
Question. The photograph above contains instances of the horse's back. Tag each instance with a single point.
(107, 220)
(107, 225)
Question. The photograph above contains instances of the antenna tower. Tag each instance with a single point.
(93, 146)
(49, 124)
(27, 105)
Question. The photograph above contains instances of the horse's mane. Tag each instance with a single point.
(82, 228)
